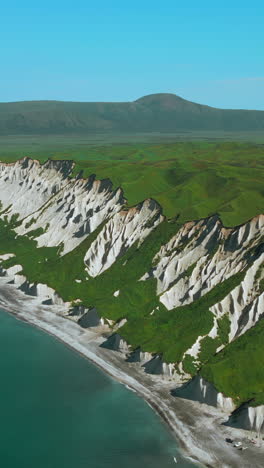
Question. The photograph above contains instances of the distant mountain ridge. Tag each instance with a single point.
(153, 113)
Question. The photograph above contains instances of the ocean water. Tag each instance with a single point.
(57, 410)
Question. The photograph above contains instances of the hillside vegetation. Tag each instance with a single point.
(190, 180)
(153, 113)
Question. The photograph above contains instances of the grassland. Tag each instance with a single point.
(237, 371)
(169, 333)
(190, 180)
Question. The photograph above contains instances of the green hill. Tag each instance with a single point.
(153, 113)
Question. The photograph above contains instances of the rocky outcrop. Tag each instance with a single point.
(248, 417)
(122, 231)
(46, 294)
(73, 213)
(198, 389)
(116, 343)
(244, 304)
(26, 185)
(59, 210)
(154, 366)
(46, 203)
(139, 356)
(90, 318)
(200, 256)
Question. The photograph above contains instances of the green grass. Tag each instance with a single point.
(238, 370)
(170, 333)
(223, 328)
(190, 180)
(189, 365)
(208, 345)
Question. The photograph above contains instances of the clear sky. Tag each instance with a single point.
(207, 51)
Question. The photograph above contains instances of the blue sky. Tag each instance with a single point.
(209, 52)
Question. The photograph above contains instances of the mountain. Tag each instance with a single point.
(184, 301)
(153, 113)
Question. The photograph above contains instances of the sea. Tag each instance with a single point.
(58, 410)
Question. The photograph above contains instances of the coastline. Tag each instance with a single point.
(197, 428)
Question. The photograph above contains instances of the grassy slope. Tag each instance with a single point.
(193, 180)
(170, 333)
(238, 370)
(167, 332)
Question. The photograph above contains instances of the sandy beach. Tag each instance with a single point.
(197, 427)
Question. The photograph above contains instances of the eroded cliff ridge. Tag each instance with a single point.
(185, 301)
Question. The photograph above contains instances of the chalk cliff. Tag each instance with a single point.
(46, 204)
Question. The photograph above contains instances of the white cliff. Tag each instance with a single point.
(243, 305)
(212, 254)
(59, 210)
(73, 213)
(121, 232)
(26, 185)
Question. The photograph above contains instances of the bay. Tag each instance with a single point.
(58, 410)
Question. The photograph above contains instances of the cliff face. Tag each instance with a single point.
(202, 262)
(26, 185)
(73, 212)
(202, 255)
(120, 233)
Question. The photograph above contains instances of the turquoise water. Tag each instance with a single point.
(57, 410)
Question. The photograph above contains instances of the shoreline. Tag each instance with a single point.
(151, 403)
(154, 405)
(187, 420)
